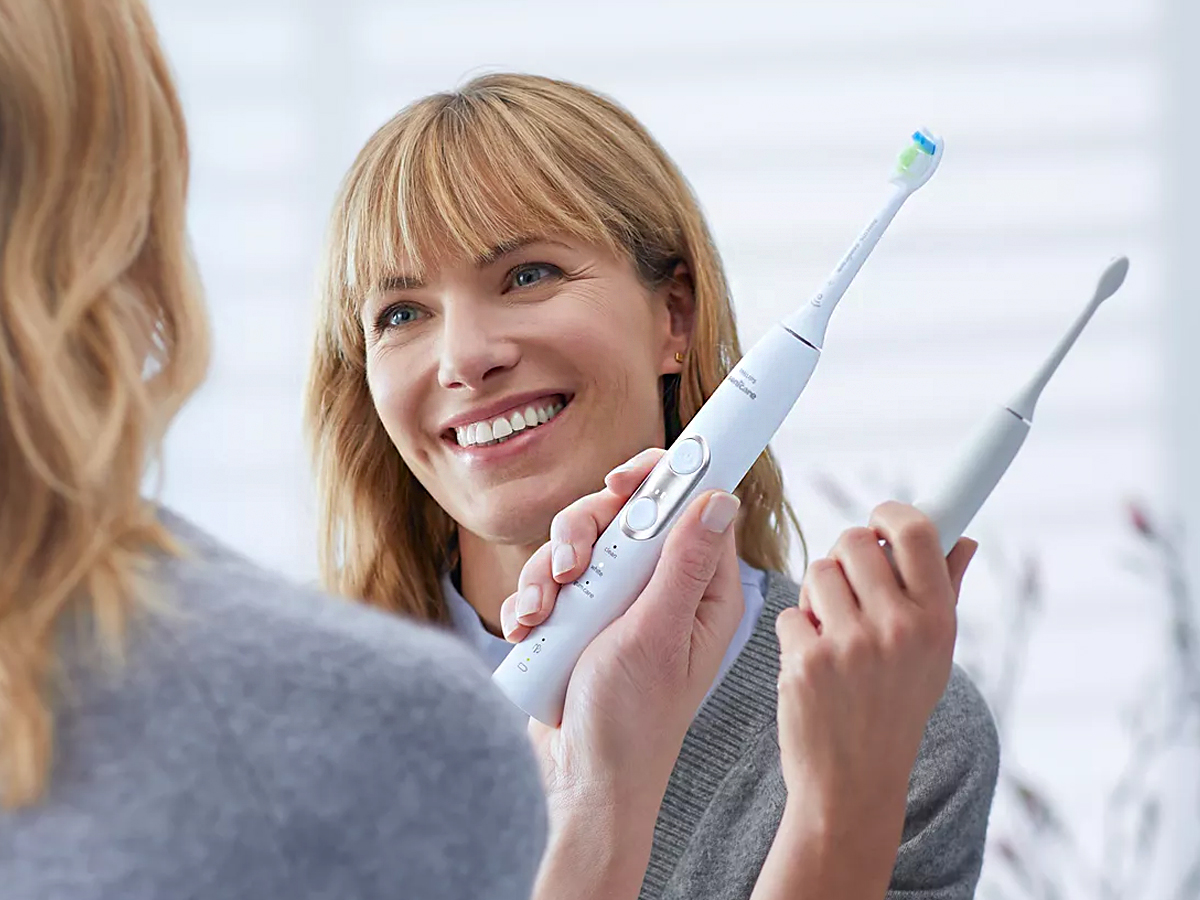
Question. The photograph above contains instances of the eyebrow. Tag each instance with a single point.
(409, 283)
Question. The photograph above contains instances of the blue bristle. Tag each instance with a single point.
(924, 143)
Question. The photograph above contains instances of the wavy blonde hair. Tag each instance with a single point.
(506, 157)
(102, 337)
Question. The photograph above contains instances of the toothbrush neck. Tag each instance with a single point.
(1026, 399)
(810, 321)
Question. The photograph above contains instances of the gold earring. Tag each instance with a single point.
(678, 357)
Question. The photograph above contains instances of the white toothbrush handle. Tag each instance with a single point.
(979, 467)
(715, 451)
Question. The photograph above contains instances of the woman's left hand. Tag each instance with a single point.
(864, 659)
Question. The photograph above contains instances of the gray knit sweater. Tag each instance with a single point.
(264, 742)
(726, 794)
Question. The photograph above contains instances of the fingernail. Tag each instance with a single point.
(529, 601)
(506, 623)
(719, 512)
(623, 467)
(563, 558)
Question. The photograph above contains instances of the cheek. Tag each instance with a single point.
(612, 332)
(614, 356)
(396, 398)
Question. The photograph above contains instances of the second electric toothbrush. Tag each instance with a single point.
(988, 453)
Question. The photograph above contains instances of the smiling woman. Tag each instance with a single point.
(521, 293)
(521, 261)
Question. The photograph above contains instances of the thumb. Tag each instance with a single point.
(686, 567)
(960, 557)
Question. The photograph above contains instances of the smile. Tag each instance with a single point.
(504, 427)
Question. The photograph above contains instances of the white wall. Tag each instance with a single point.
(785, 117)
(1181, 329)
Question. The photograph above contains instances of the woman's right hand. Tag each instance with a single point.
(637, 686)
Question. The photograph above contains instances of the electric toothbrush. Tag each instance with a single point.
(714, 451)
(986, 456)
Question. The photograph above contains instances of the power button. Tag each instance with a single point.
(642, 514)
(687, 457)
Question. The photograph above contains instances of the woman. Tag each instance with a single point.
(520, 293)
(174, 722)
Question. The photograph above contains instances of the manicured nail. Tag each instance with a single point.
(623, 467)
(619, 470)
(507, 624)
(719, 512)
(563, 558)
(529, 601)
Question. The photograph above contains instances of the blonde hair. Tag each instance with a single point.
(506, 157)
(102, 337)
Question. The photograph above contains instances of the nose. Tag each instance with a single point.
(473, 350)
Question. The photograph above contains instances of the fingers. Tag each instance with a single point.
(916, 549)
(514, 632)
(958, 560)
(627, 477)
(573, 532)
(797, 632)
(686, 567)
(534, 598)
(722, 603)
(830, 596)
(867, 569)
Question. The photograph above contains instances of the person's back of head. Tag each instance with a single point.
(102, 336)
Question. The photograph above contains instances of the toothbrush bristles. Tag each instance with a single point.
(924, 142)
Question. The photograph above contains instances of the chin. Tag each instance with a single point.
(510, 524)
(521, 517)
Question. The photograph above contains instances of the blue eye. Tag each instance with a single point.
(397, 317)
(529, 275)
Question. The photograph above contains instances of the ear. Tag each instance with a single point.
(679, 302)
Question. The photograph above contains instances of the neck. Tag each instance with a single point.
(489, 574)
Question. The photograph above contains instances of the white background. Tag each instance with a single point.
(785, 117)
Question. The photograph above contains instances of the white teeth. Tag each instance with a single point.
(504, 427)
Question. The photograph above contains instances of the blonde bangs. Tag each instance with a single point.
(458, 178)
